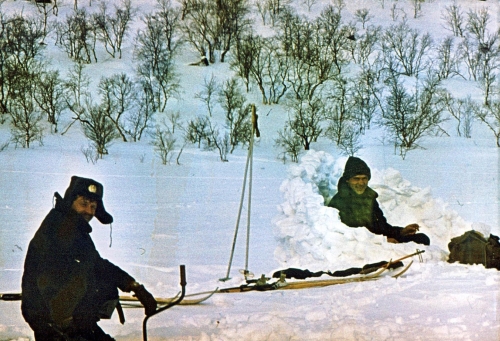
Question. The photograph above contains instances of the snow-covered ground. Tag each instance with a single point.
(186, 214)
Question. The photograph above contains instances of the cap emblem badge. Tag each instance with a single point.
(92, 189)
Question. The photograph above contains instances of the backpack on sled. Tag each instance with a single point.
(473, 248)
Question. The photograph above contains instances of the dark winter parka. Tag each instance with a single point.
(356, 210)
(64, 275)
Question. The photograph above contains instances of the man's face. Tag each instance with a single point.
(358, 183)
(85, 207)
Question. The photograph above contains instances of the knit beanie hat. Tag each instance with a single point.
(355, 166)
(92, 190)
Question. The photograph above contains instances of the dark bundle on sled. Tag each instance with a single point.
(473, 248)
(303, 274)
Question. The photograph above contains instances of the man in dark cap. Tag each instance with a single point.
(66, 286)
(358, 206)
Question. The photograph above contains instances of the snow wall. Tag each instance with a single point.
(311, 235)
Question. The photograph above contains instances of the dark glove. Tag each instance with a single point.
(145, 297)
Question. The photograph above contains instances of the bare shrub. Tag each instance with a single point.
(490, 115)
(207, 94)
(411, 116)
(164, 143)
(90, 154)
(447, 61)
(305, 120)
(77, 36)
(118, 98)
(220, 139)
(198, 130)
(350, 141)
(289, 143)
(237, 113)
(50, 97)
(454, 19)
(111, 29)
(98, 127)
(477, 23)
(406, 50)
(156, 68)
(463, 110)
(363, 16)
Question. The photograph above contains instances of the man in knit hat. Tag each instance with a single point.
(358, 206)
(66, 286)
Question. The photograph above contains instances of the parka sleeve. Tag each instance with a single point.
(380, 224)
(106, 269)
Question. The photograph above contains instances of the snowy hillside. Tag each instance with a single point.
(167, 215)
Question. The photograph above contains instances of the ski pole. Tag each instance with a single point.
(237, 220)
(248, 165)
(255, 130)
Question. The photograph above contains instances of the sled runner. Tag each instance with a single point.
(263, 283)
(281, 284)
(328, 282)
(367, 273)
(131, 301)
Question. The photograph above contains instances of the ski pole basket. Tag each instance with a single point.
(170, 305)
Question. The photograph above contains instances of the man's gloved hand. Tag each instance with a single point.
(145, 297)
(410, 230)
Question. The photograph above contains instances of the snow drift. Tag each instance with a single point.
(311, 235)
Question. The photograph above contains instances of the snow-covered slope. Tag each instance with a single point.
(185, 214)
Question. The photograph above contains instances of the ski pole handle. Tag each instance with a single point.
(255, 126)
(183, 275)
